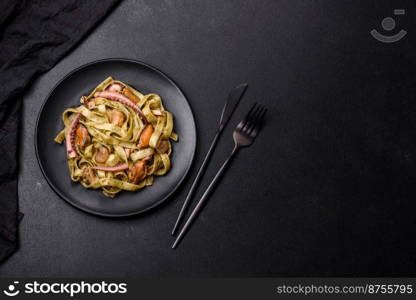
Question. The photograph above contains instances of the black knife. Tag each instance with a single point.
(230, 105)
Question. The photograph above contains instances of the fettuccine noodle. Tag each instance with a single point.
(117, 139)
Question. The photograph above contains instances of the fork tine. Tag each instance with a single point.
(255, 119)
(246, 118)
(251, 116)
(258, 124)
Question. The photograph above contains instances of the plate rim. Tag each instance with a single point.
(90, 211)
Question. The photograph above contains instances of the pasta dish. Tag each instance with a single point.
(117, 138)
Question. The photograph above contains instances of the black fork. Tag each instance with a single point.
(244, 135)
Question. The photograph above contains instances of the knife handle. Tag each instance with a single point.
(196, 181)
(204, 197)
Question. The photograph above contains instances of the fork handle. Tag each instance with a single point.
(205, 196)
(196, 181)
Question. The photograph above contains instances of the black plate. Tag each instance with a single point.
(52, 156)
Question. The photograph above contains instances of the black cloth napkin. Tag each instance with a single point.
(34, 35)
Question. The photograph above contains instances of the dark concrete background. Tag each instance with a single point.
(327, 189)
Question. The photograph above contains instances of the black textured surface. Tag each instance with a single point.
(327, 188)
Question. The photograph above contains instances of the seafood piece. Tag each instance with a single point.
(112, 169)
(137, 171)
(70, 137)
(82, 136)
(163, 146)
(115, 87)
(123, 100)
(89, 175)
(117, 117)
(129, 94)
(102, 155)
(145, 136)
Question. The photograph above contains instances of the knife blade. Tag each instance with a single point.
(230, 105)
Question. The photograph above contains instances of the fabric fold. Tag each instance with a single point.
(34, 36)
